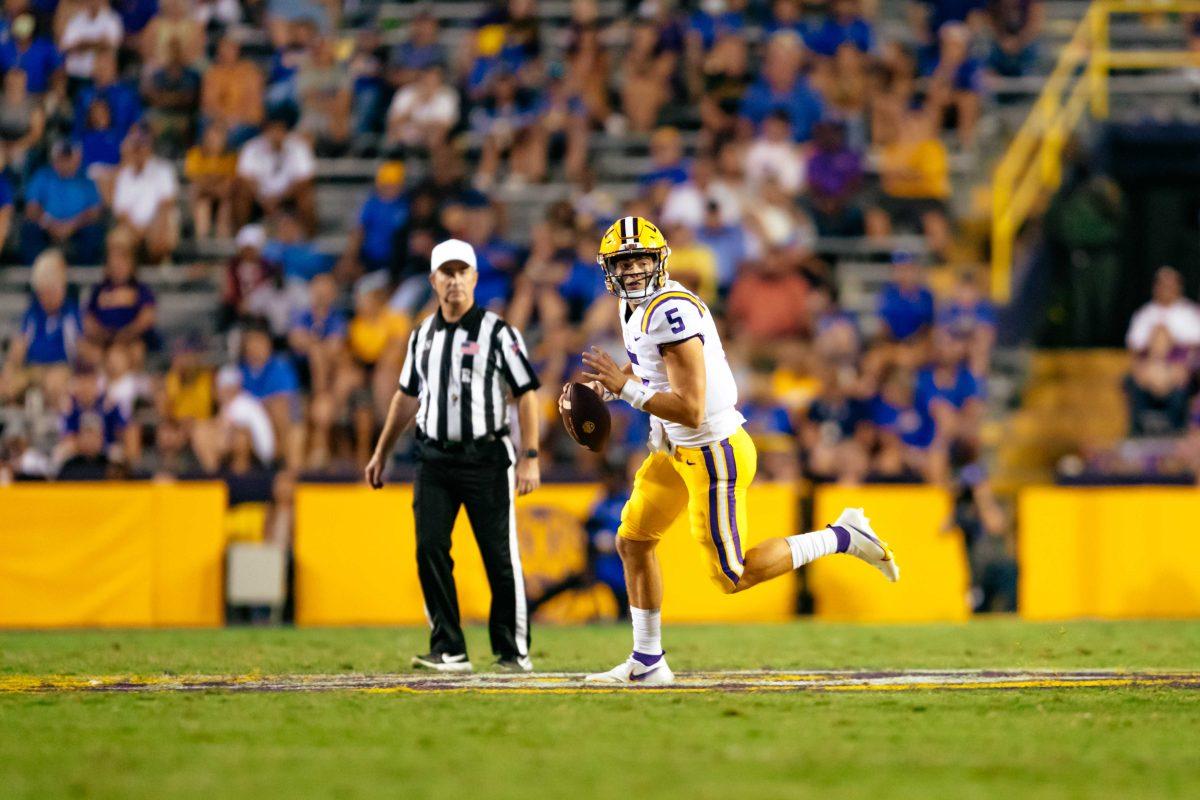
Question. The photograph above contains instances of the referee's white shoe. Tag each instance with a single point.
(442, 662)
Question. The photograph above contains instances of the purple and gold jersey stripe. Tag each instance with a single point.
(722, 507)
(664, 297)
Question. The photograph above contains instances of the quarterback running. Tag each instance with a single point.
(700, 457)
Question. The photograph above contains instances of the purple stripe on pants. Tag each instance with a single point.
(731, 469)
(713, 526)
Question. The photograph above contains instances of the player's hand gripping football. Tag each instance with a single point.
(564, 397)
(600, 368)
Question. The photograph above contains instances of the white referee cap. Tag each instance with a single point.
(452, 250)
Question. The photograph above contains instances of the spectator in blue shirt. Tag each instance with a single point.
(62, 207)
(508, 122)
(906, 431)
(89, 407)
(272, 379)
(667, 164)
(955, 79)
(49, 335)
(727, 242)
(122, 97)
(715, 19)
(36, 55)
(933, 14)
(905, 303)
(971, 317)
(135, 14)
(420, 50)
(947, 392)
(1016, 25)
(844, 25)
(784, 88)
(374, 243)
(121, 311)
(51, 328)
(318, 335)
(294, 252)
(101, 146)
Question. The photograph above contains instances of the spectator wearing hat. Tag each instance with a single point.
(231, 92)
(374, 242)
(121, 310)
(277, 171)
(211, 167)
(49, 336)
(238, 410)
(63, 208)
(246, 272)
(145, 197)
(36, 55)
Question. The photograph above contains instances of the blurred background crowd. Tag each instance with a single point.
(217, 217)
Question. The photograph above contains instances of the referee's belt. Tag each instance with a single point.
(462, 447)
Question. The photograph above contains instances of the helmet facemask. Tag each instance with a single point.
(652, 279)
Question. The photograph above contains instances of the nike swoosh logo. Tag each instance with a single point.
(637, 338)
(645, 674)
(887, 552)
(690, 463)
(448, 659)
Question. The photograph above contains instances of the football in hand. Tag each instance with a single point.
(585, 415)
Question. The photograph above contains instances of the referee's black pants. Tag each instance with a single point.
(482, 479)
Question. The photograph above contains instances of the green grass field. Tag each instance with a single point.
(1073, 742)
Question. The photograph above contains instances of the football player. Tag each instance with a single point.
(700, 458)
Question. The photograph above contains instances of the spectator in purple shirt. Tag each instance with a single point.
(835, 175)
(121, 311)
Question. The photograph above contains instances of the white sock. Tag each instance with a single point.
(808, 547)
(647, 630)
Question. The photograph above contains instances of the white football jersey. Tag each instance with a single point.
(672, 315)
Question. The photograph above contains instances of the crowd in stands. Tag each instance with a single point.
(133, 126)
(1162, 387)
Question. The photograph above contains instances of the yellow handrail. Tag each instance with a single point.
(1031, 167)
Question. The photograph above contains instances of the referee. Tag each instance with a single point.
(462, 362)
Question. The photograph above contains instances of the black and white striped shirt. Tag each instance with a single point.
(462, 372)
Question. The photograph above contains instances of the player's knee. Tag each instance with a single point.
(634, 549)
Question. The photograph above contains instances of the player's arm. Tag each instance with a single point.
(684, 403)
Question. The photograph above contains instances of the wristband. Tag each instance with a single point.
(636, 394)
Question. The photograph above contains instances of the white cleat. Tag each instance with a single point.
(866, 546)
(443, 662)
(632, 672)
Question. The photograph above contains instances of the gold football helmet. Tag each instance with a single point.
(632, 237)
